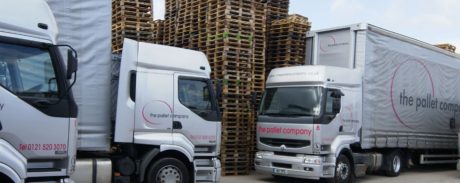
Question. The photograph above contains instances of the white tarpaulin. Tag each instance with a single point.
(86, 26)
(411, 95)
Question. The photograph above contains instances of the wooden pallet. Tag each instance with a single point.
(233, 35)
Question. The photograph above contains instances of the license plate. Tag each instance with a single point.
(279, 171)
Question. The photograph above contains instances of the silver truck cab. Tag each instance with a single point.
(37, 109)
(300, 131)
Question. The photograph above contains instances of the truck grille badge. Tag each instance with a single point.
(283, 148)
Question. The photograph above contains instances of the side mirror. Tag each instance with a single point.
(52, 85)
(2, 69)
(72, 63)
(452, 124)
(253, 98)
(336, 105)
(219, 89)
(2, 73)
(337, 94)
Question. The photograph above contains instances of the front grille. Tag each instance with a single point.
(285, 154)
(282, 165)
(289, 143)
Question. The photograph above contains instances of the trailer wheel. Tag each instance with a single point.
(168, 170)
(343, 171)
(393, 163)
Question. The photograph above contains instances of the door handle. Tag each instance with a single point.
(177, 125)
(1, 127)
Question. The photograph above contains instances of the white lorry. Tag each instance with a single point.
(166, 126)
(371, 100)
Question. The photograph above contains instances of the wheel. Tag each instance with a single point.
(393, 163)
(168, 170)
(5, 179)
(343, 171)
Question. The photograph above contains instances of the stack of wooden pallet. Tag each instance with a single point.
(276, 10)
(130, 19)
(158, 31)
(231, 29)
(287, 39)
(260, 13)
(233, 34)
(446, 46)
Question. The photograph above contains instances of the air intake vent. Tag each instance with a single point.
(289, 143)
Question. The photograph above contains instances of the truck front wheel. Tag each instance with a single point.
(168, 170)
(343, 171)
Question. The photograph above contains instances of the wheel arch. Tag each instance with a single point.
(156, 154)
(12, 159)
(9, 173)
(345, 150)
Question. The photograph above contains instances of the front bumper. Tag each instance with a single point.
(458, 165)
(295, 166)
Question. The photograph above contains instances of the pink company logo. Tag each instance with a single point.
(325, 44)
(154, 110)
(395, 80)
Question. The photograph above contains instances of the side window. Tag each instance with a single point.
(333, 103)
(132, 86)
(195, 94)
(27, 71)
(5, 79)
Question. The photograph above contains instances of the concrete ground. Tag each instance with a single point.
(425, 174)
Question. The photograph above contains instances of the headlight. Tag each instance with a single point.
(312, 160)
(259, 155)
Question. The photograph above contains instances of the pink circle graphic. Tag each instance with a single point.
(392, 85)
(325, 49)
(155, 101)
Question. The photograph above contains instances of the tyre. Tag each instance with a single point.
(168, 170)
(393, 163)
(343, 171)
(5, 179)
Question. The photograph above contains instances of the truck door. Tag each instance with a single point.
(196, 114)
(32, 117)
(154, 102)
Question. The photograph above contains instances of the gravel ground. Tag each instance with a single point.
(425, 174)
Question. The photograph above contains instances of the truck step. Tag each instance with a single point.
(438, 158)
(46, 172)
(204, 168)
(205, 171)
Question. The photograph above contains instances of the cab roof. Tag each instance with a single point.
(313, 74)
(22, 18)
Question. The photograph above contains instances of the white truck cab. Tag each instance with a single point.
(167, 105)
(371, 100)
(35, 96)
(298, 118)
(166, 126)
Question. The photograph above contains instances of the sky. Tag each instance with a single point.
(431, 21)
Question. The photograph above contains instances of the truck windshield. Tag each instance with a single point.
(27, 71)
(291, 101)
